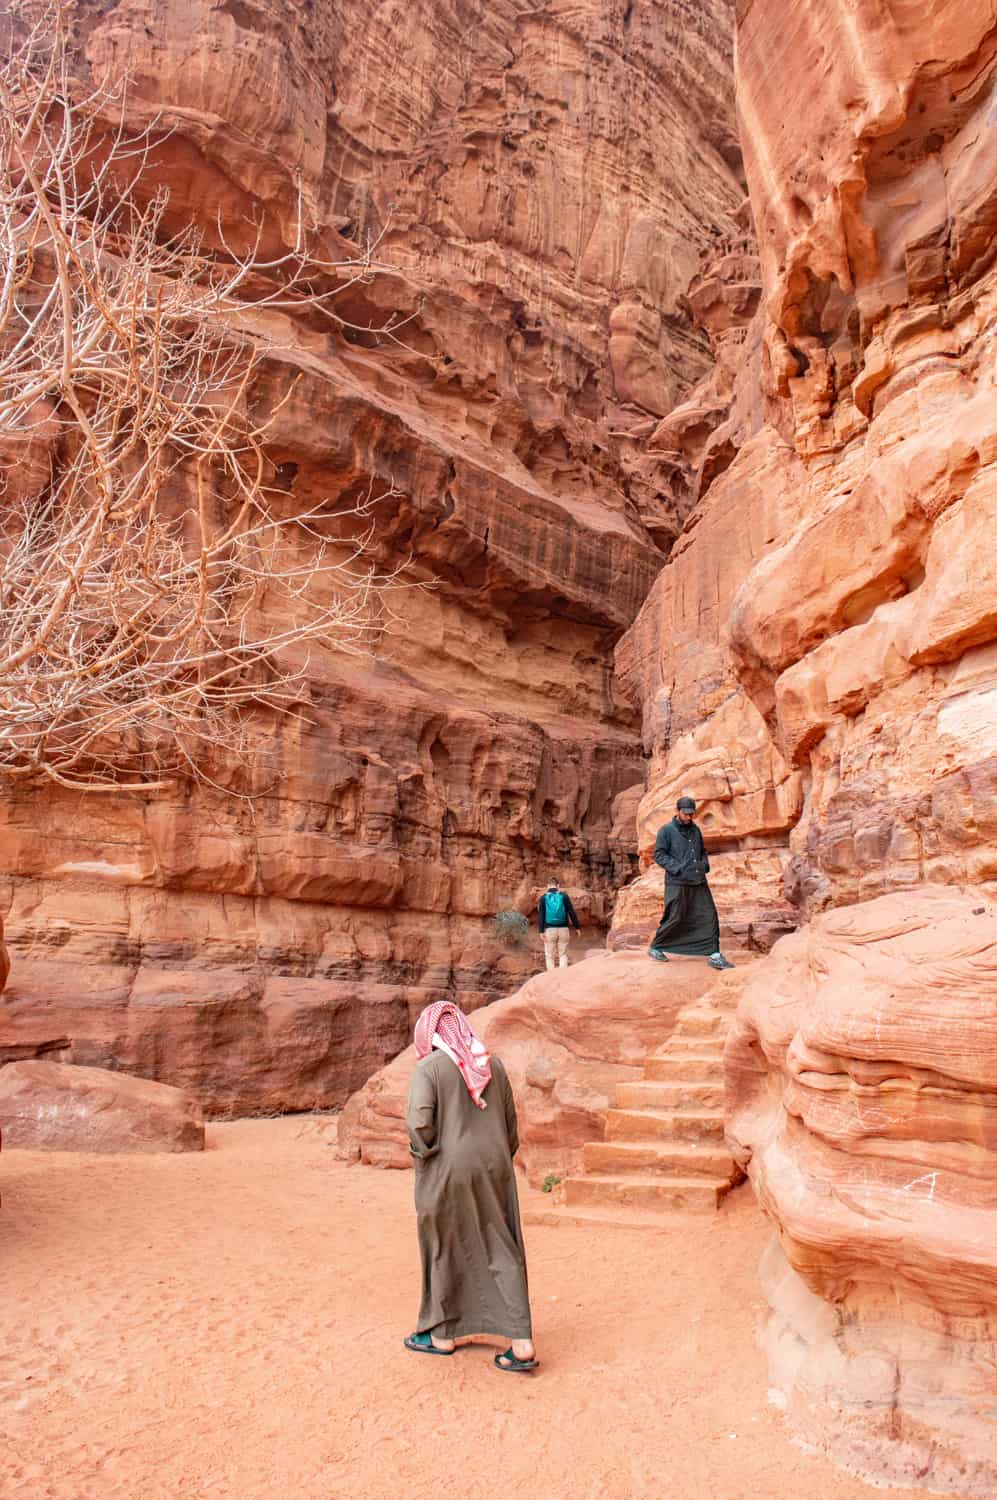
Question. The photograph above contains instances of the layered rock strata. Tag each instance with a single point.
(816, 663)
(865, 634)
(540, 184)
(862, 1097)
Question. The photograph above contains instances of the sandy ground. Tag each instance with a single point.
(230, 1325)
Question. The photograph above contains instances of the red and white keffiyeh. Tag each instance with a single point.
(444, 1026)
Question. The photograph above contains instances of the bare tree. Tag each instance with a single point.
(157, 584)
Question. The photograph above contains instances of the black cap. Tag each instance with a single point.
(686, 804)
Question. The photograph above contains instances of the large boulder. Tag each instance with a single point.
(567, 1038)
(862, 1099)
(49, 1106)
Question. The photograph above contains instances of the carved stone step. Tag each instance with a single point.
(644, 1194)
(701, 1023)
(693, 1070)
(655, 1094)
(606, 1216)
(666, 1158)
(696, 1049)
(665, 1124)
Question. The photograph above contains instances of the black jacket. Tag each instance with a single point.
(570, 916)
(681, 853)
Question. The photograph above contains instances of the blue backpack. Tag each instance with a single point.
(554, 913)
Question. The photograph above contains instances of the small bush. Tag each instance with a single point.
(550, 1182)
(511, 928)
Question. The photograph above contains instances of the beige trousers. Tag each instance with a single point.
(556, 945)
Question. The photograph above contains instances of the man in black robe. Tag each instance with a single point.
(690, 924)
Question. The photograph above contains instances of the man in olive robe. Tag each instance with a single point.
(463, 1135)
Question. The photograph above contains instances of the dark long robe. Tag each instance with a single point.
(470, 1238)
(690, 924)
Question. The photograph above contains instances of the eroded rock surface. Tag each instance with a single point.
(865, 636)
(862, 1098)
(567, 1038)
(703, 733)
(50, 1106)
(543, 182)
(817, 662)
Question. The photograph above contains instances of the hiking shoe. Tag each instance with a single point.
(659, 954)
(719, 962)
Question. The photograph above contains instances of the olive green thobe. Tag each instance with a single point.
(467, 1207)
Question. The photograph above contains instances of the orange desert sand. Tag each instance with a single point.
(229, 1324)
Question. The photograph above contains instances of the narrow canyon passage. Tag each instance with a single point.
(534, 243)
(669, 397)
(228, 1326)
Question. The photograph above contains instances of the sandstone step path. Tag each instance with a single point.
(663, 1149)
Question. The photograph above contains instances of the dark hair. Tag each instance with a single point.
(686, 804)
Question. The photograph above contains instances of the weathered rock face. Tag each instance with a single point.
(49, 1106)
(702, 731)
(816, 663)
(25, 1047)
(544, 182)
(567, 1038)
(865, 635)
(862, 1097)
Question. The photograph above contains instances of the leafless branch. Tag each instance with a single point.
(158, 587)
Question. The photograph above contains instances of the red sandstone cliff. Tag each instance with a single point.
(546, 179)
(818, 664)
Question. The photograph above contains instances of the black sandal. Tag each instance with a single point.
(422, 1343)
(516, 1366)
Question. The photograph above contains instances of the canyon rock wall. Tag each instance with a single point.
(862, 1096)
(541, 182)
(703, 732)
(865, 636)
(817, 664)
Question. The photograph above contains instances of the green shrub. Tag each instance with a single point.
(550, 1182)
(511, 928)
